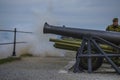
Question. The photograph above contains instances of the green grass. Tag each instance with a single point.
(9, 59)
(26, 55)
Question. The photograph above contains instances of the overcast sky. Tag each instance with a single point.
(92, 14)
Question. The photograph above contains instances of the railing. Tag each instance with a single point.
(14, 42)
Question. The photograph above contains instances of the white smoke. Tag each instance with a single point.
(37, 43)
(41, 45)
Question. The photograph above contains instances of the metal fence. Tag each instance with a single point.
(14, 42)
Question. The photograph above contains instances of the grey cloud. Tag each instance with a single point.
(80, 12)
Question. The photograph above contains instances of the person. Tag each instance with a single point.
(114, 27)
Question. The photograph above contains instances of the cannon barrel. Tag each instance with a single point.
(113, 37)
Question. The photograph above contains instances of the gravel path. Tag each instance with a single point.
(36, 68)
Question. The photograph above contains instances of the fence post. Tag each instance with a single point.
(14, 45)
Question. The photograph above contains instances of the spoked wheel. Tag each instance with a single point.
(96, 62)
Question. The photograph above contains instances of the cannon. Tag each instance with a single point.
(113, 37)
(89, 51)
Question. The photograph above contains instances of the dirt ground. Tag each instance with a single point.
(51, 68)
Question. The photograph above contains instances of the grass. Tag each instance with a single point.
(26, 55)
(9, 59)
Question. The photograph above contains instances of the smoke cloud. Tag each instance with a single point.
(37, 43)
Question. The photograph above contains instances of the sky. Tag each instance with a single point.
(91, 14)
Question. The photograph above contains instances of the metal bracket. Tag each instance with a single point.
(90, 41)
